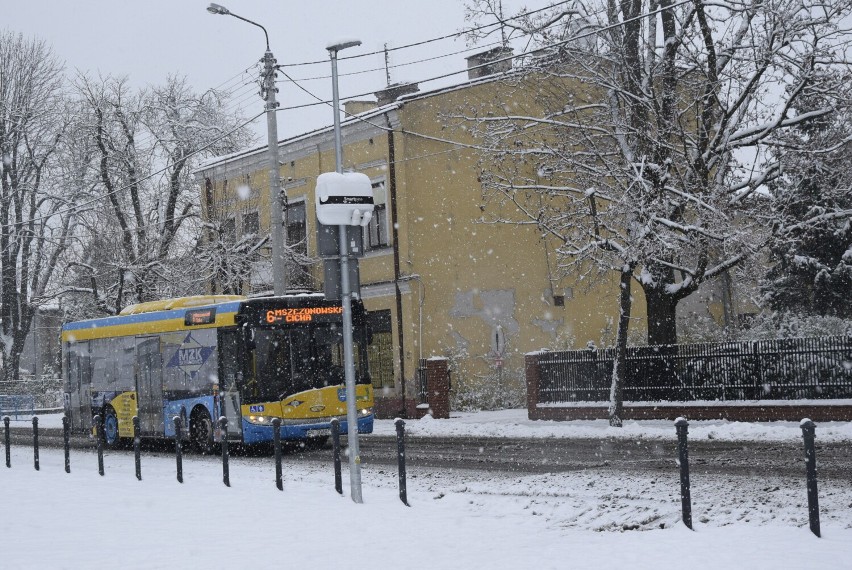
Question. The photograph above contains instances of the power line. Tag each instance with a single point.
(511, 57)
(432, 40)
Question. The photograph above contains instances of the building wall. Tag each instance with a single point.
(479, 293)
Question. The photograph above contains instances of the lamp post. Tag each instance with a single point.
(346, 294)
(276, 222)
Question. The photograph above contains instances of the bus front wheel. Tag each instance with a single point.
(201, 432)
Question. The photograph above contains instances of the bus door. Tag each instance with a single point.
(80, 387)
(231, 367)
(149, 385)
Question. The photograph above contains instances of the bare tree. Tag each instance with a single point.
(36, 204)
(649, 133)
(147, 142)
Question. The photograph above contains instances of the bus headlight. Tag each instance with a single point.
(366, 411)
(260, 420)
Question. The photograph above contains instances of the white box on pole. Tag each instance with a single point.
(344, 199)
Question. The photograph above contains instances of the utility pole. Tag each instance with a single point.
(277, 212)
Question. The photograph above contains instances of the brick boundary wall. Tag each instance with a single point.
(764, 411)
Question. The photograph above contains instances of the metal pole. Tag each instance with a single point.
(66, 442)
(8, 449)
(276, 442)
(223, 427)
(35, 443)
(277, 215)
(809, 434)
(178, 450)
(99, 434)
(137, 448)
(335, 443)
(683, 458)
(348, 357)
(400, 457)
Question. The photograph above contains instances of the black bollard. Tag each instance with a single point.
(137, 448)
(400, 456)
(683, 457)
(809, 433)
(99, 434)
(335, 441)
(276, 442)
(178, 450)
(66, 442)
(8, 448)
(223, 426)
(35, 443)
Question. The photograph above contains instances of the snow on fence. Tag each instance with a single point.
(45, 392)
(17, 406)
(783, 369)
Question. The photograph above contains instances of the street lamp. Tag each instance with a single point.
(276, 223)
(346, 294)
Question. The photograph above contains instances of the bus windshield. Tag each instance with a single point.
(287, 361)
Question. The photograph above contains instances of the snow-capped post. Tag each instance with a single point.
(335, 443)
(35, 443)
(137, 448)
(178, 450)
(8, 451)
(99, 435)
(400, 457)
(683, 458)
(809, 434)
(66, 442)
(276, 442)
(223, 427)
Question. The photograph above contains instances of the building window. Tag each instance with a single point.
(297, 227)
(376, 233)
(229, 232)
(251, 224)
(380, 350)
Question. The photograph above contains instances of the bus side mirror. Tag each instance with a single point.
(249, 339)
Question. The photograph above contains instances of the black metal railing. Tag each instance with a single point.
(422, 391)
(784, 369)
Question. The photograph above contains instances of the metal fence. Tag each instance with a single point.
(784, 369)
(46, 392)
(422, 391)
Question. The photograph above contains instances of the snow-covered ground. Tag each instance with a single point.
(514, 423)
(457, 519)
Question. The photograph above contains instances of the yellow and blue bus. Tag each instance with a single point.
(206, 357)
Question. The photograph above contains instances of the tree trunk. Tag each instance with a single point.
(619, 365)
(662, 313)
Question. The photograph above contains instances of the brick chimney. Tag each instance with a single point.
(489, 62)
(393, 92)
(358, 107)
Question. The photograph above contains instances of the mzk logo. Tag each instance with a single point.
(190, 356)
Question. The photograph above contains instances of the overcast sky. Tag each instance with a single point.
(149, 39)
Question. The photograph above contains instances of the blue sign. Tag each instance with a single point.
(256, 409)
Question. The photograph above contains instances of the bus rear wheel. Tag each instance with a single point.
(110, 429)
(201, 432)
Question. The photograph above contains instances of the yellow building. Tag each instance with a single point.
(437, 279)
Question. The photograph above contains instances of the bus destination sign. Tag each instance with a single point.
(195, 317)
(301, 314)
